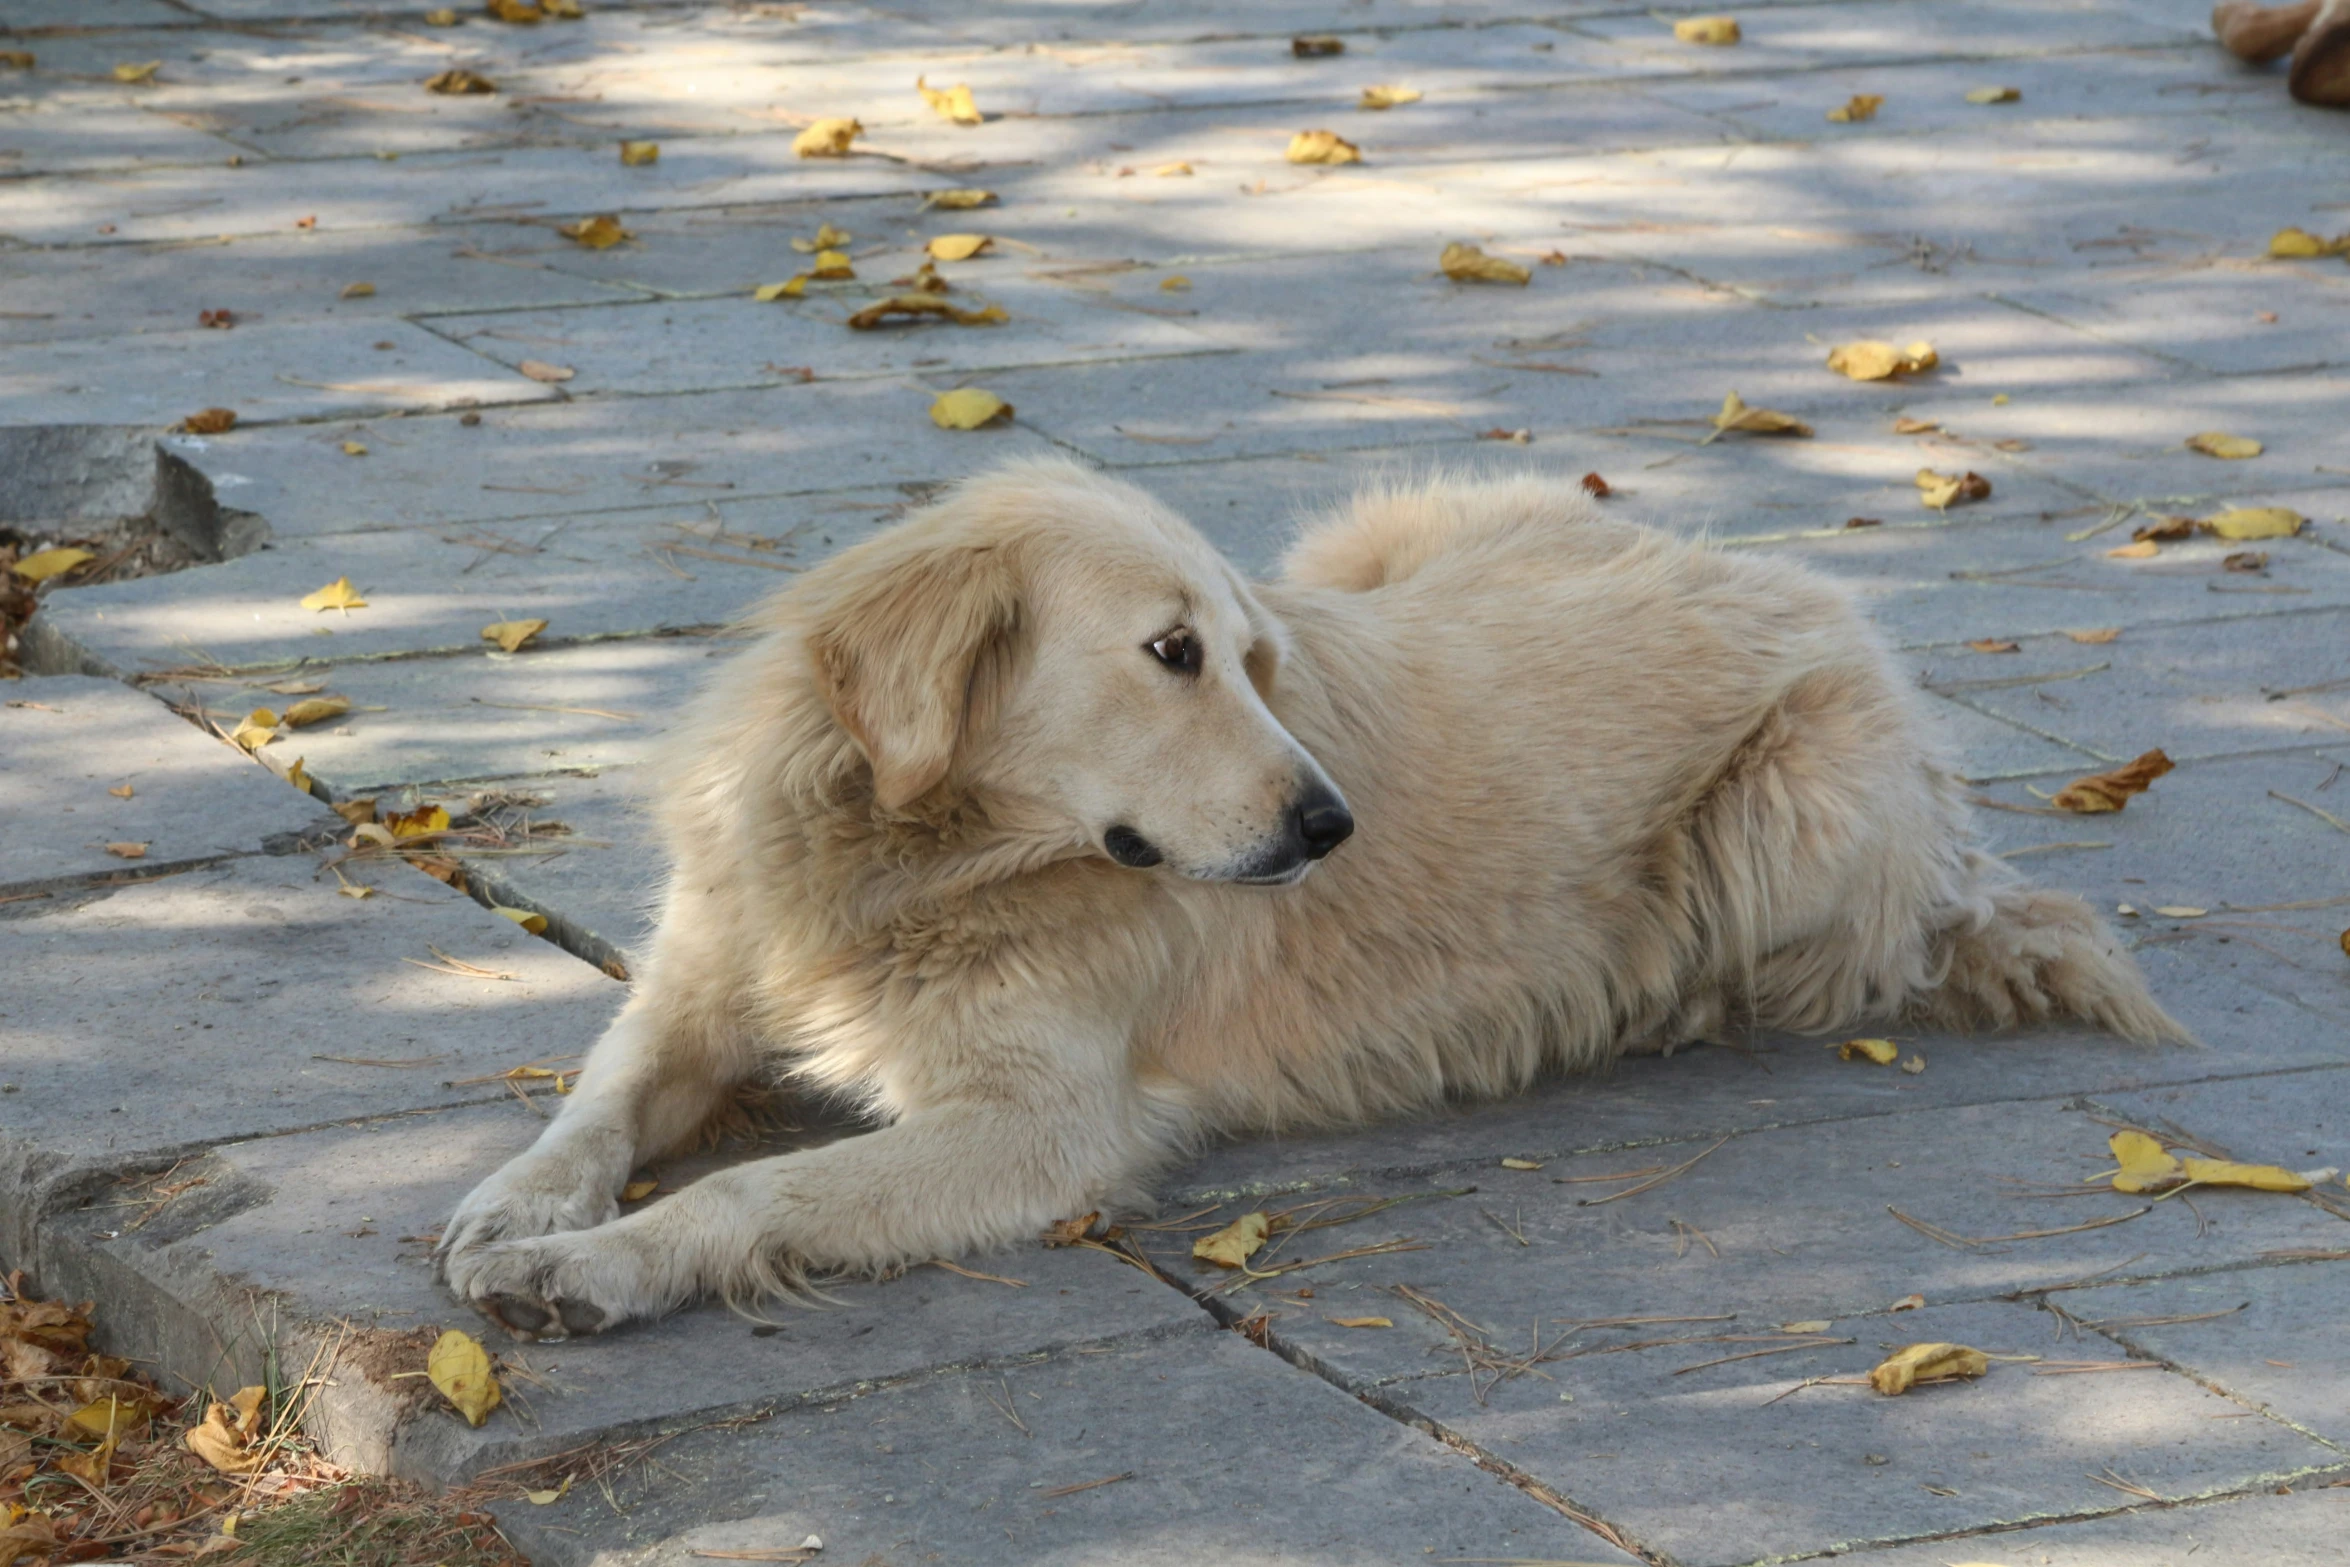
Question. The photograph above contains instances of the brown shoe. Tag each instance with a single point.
(2321, 60)
(2257, 33)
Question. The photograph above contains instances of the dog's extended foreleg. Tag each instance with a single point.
(957, 1176)
(649, 1083)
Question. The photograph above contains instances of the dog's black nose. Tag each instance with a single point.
(1323, 822)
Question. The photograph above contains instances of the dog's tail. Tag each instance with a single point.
(2015, 953)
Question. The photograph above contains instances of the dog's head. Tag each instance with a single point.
(1064, 644)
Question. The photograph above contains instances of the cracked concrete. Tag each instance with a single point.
(240, 1086)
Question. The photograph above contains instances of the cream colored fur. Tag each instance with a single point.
(1613, 792)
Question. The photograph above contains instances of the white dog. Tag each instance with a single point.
(1009, 823)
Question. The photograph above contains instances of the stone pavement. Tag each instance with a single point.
(1567, 1376)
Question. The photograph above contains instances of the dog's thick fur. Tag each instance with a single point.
(1614, 792)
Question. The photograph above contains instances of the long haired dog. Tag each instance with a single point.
(1012, 826)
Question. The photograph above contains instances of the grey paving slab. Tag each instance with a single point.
(120, 1074)
(270, 371)
(1842, 1252)
(93, 763)
(2194, 688)
(768, 459)
(1849, 1465)
(1798, 37)
(58, 134)
(32, 14)
(692, 345)
(112, 291)
(363, 193)
(600, 885)
(1956, 582)
(489, 715)
(2209, 835)
(2236, 318)
(932, 1469)
(2299, 1530)
(2128, 443)
(2271, 1337)
(332, 1221)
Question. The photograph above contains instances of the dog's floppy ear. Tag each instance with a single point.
(911, 653)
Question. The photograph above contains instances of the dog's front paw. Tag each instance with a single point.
(562, 1286)
(544, 1192)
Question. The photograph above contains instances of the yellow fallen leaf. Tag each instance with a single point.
(108, 1416)
(541, 371)
(952, 103)
(358, 291)
(1468, 264)
(1941, 491)
(297, 775)
(512, 636)
(42, 566)
(2259, 1177)
(2103, 792)
(338, 594)
(460, 1368)
(354, 449)
(2145, 1167)
(441, 18)
(422, 821)
(2254, 522)
(1172, 171)
(957, 200)
(1995, 645)
(638, 1191)
(2301, 245)
(18, 59)
(967, 409)
(827, 238)
(1860, 106)
(1521, 1164)
(520, 12)
(1874, 361)
(832, 266)
(454, 81)
(144, 71)
(636, 154)
(124, 792)
(127, 851)
(1388, 96)
(529, 920)
(1809, 1325)
(1913, 1063)
(1736, 415)
(1235, 1243)
(914, 305)
(1175, 284)
(1881, 1051)
(959, 247)
(209, 421)
(256, 730)
(600, 232)
(1907, 426)
(1707, 30)
(793, 288)
(550, 1498)
(827, 138)
(1923, 1363)
(2144, 549)
(1994, 94)
(563, 10)
(2096, 637)
(2215, 443)
(224, 1437)
(1322, 147)
(2180, 911)
(1362, 1322)
(1314, 46)
(93, 1468)
(316, 710)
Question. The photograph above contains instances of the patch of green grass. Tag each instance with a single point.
(370, 1523)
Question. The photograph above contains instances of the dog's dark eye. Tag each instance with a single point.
(1178, 650)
